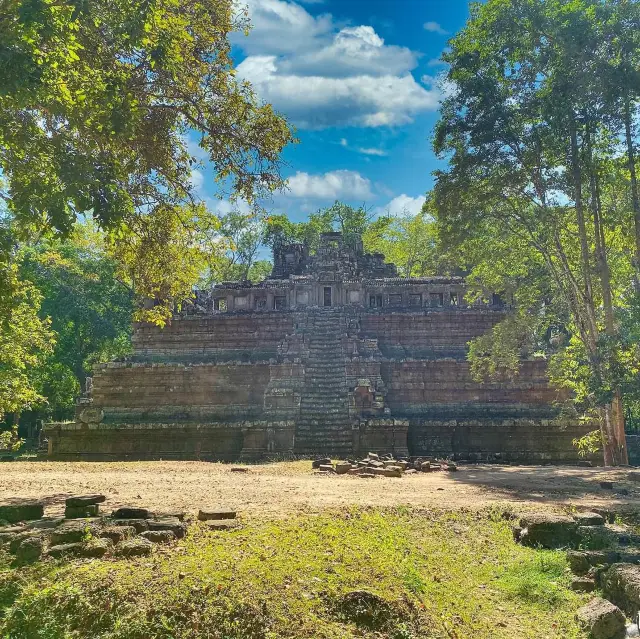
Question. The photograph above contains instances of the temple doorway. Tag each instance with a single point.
(327, 296)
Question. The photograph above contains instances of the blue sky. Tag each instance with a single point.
(357, 78)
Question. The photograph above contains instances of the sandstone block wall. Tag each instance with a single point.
(176, 392)
(231, 386)
(520, 440)
(446, 387)
(235, 336)
(427, 334)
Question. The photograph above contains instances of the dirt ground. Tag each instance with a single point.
(279, 489)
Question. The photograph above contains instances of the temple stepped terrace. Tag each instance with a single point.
(334, 354)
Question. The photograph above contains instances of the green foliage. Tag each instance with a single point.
(410, 242)
(10, 440)
(351, 222)
(89, 310)
(97, 100)
(538, 198)
(25, 341)
(590, 444)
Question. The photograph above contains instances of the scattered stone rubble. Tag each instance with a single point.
(384, 465)
(601, 555)
(125, 532)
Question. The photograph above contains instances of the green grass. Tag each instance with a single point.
(450, 575)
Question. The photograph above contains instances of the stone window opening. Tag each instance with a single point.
(415, 299)
(436, 300)
(260, 303)
(375, 301)
(453, 301)
(395, 300)
(279, 303)
(220, 304)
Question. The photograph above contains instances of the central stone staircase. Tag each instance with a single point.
(324, 426)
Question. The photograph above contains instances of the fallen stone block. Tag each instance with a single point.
(373, 456)
(548, 530)
(596, 537)
(175, 514)
(601, 619)
(21, 511)
(18, 538)
(7, 535)
(63, 550)
(393, 471)
(137, 547)
(621, 585)
(117, 533)
(324, 461)
(583, 584)
(425, 467)
(589, 519)
(131, 512)
(451, 467)
(79, 512)
(46, 523)
(73, 531)
(78, 501)
(208, 514)
(326, 468)
(342, 468)
(411, 471)
(239, 469)
(178, 528)
(159, 536)
(580, 561)
(30, 549)
(139, 524)
(95, 548)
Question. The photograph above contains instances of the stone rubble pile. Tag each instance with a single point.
(384, 465)
(126, 532)
(601, 555)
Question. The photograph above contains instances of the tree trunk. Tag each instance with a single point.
(635, 197)
(613, 412)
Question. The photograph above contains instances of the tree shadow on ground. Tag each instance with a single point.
(553, 484)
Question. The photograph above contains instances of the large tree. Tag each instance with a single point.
(534, 132)
(98, 103)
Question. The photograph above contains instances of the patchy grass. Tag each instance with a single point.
(418, 575)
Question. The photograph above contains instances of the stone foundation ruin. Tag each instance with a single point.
(334, 354)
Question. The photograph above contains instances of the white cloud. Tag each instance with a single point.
(371, 151)
(196, 179)
(282, 27)
(319, 102)
(353, 51)
(434, 27)
(222, 207)
(321, 75)
(333, 185)
(343, 142)
(402, 205)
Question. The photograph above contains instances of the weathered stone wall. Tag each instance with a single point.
(520, 440)
(242, 336)
(445, 387)
(205, 441)
(179, 392)
(426, 334)
(231, 385)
